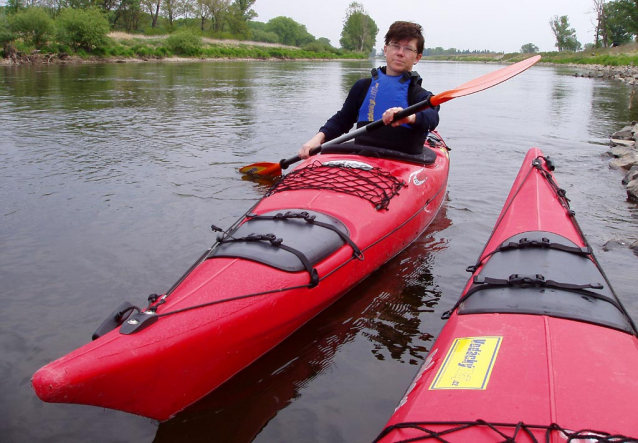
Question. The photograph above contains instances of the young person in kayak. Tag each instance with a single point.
(390, 89)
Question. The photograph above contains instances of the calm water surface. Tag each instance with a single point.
(112, 174)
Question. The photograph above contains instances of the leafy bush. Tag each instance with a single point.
(83, 28)
(33, 25)
(6, 35)
(185, 43)
(155, 31)
(317, 46)
(162, 52)
(263, 36)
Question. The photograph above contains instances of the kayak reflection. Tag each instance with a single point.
(386, 309)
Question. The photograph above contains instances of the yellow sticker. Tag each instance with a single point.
(468, 364)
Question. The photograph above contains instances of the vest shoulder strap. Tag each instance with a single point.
(414, 89)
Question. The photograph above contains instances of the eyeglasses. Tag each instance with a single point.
(395, 47)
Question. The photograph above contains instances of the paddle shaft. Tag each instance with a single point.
(378, 124)
(484, 82)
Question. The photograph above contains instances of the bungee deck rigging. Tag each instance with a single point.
(353, 178)
(290, 256)
(534, 261)
(538, 345)
(520, 432)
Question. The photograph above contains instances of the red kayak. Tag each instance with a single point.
(318, 232)
(538, 347)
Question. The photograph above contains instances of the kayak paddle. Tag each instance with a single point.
(479, 84)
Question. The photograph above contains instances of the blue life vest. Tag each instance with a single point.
(385, 92)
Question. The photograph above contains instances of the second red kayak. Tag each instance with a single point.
(538, 347)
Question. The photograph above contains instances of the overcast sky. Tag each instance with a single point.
(497, 25)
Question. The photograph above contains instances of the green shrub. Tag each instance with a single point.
(143, 52)
(82, 28)
(161, 51)
(317, 47)
(33, 25)
(155, 31)
(185, 43)
(263, 36)
(6, 34)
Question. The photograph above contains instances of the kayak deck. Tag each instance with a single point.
(538, 347)
(241, 299)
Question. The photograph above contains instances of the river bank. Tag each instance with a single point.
(626, 74)
(134, 48)
(623, 142)
(623, 149)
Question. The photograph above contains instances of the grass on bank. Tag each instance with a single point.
(625, 55)
(189, 45)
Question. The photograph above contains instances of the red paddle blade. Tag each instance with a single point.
(262, 169)
(484, 82)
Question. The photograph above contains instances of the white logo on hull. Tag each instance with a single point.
(415, 179)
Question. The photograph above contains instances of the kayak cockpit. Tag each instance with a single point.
(427, 157)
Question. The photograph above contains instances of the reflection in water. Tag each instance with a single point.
(111, 176)
(262, 182)
(612, 104)
(385, 309)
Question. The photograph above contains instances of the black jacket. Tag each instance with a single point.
(409, 140)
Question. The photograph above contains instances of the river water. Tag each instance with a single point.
(111, 175)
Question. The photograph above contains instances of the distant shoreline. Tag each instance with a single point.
(619, 63)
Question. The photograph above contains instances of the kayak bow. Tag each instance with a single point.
(318, 232)
(538, 347)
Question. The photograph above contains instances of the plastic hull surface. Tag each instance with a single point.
(512, 359)
(243, 308)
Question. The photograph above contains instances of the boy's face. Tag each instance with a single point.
(401, 56)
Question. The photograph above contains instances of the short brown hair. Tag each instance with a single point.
(401, 30)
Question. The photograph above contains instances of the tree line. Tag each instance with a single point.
(86, 23)
(616, 23)
(34, 24)
(453, 51)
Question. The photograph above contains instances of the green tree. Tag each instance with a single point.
(219, 12)
(153, 8)
(618, 23)
(359, 31)
(6, 34)
(289, 31)
(33, 25)
(626, 12)
(127, 15)
(601, 27)
(529, 48)
(168, 9)
(13, 6)
(240, 14)
(245, 9)
(565, 36)
(82, 28)
(258, 33)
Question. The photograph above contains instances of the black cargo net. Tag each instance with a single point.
(371, 184)
(503, 432)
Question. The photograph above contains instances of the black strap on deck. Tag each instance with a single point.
(542, 243)
(278, 243)
(531, 280)
(313, 220)
(526, 281)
